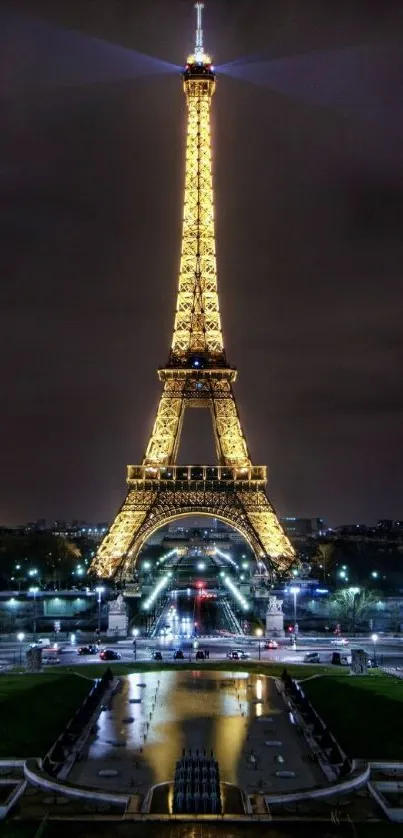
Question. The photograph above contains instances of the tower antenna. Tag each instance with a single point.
(199, 50)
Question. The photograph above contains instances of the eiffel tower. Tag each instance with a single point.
(197, 375)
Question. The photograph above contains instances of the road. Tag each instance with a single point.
(186, 615)
(204, 621)
(387, 654)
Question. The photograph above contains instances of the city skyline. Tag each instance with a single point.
(309, 260)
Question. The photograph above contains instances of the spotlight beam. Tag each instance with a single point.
(359, 80)
(35, 54)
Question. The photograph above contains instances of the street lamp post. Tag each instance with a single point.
(20, 638)
(355, 592)
(259, 633)
(295, 591)
(135, 635)
(374, 638)
(99, 591)
(34, 591)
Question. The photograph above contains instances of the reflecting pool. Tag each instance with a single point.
(155, 715)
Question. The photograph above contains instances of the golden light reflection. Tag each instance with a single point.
(171, 799)
(229, 736)
(158, 730)
(259, 696)
(231, 726)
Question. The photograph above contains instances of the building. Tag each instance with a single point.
(297, 528)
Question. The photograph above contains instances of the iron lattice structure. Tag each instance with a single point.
(197, 375)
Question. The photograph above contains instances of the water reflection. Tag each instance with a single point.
(259, 696)
(174, 710)
(157, 714)
(107, 829)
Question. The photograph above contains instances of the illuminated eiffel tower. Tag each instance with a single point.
(196, 375)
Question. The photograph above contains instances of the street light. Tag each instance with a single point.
(259, 633)
(374, 638)
(20, 638)
(99, 591)
(34, 591)
(295, 591)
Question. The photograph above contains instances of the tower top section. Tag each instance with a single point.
(199, 58)
(199, 51)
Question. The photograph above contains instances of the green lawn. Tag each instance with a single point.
(34, 709)
(13, 829)
(363, 712)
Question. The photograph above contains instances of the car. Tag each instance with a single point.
(178, 655)
(271, 644)
(43, 643)
(157, 656)
(200, 656)
(87, 650)
(340, 660)
(339, 641)
(50, 661)
(312, 657)
(238, 655)
(109, 655)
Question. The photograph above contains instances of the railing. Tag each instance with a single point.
(396, 671)
(172, 474)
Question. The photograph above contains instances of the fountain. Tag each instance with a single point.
(193, 769)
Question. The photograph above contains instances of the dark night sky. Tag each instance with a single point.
(309, 222)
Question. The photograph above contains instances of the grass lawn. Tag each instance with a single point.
(363, 712)
(34, 710)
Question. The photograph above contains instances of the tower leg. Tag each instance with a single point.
(269, 533)
(115, 548)
(230, 439)
(163, 445)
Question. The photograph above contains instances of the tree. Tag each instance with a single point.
(395, 618)
(324, 558)
(351, 605)
(62, 559)
(37, 557)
